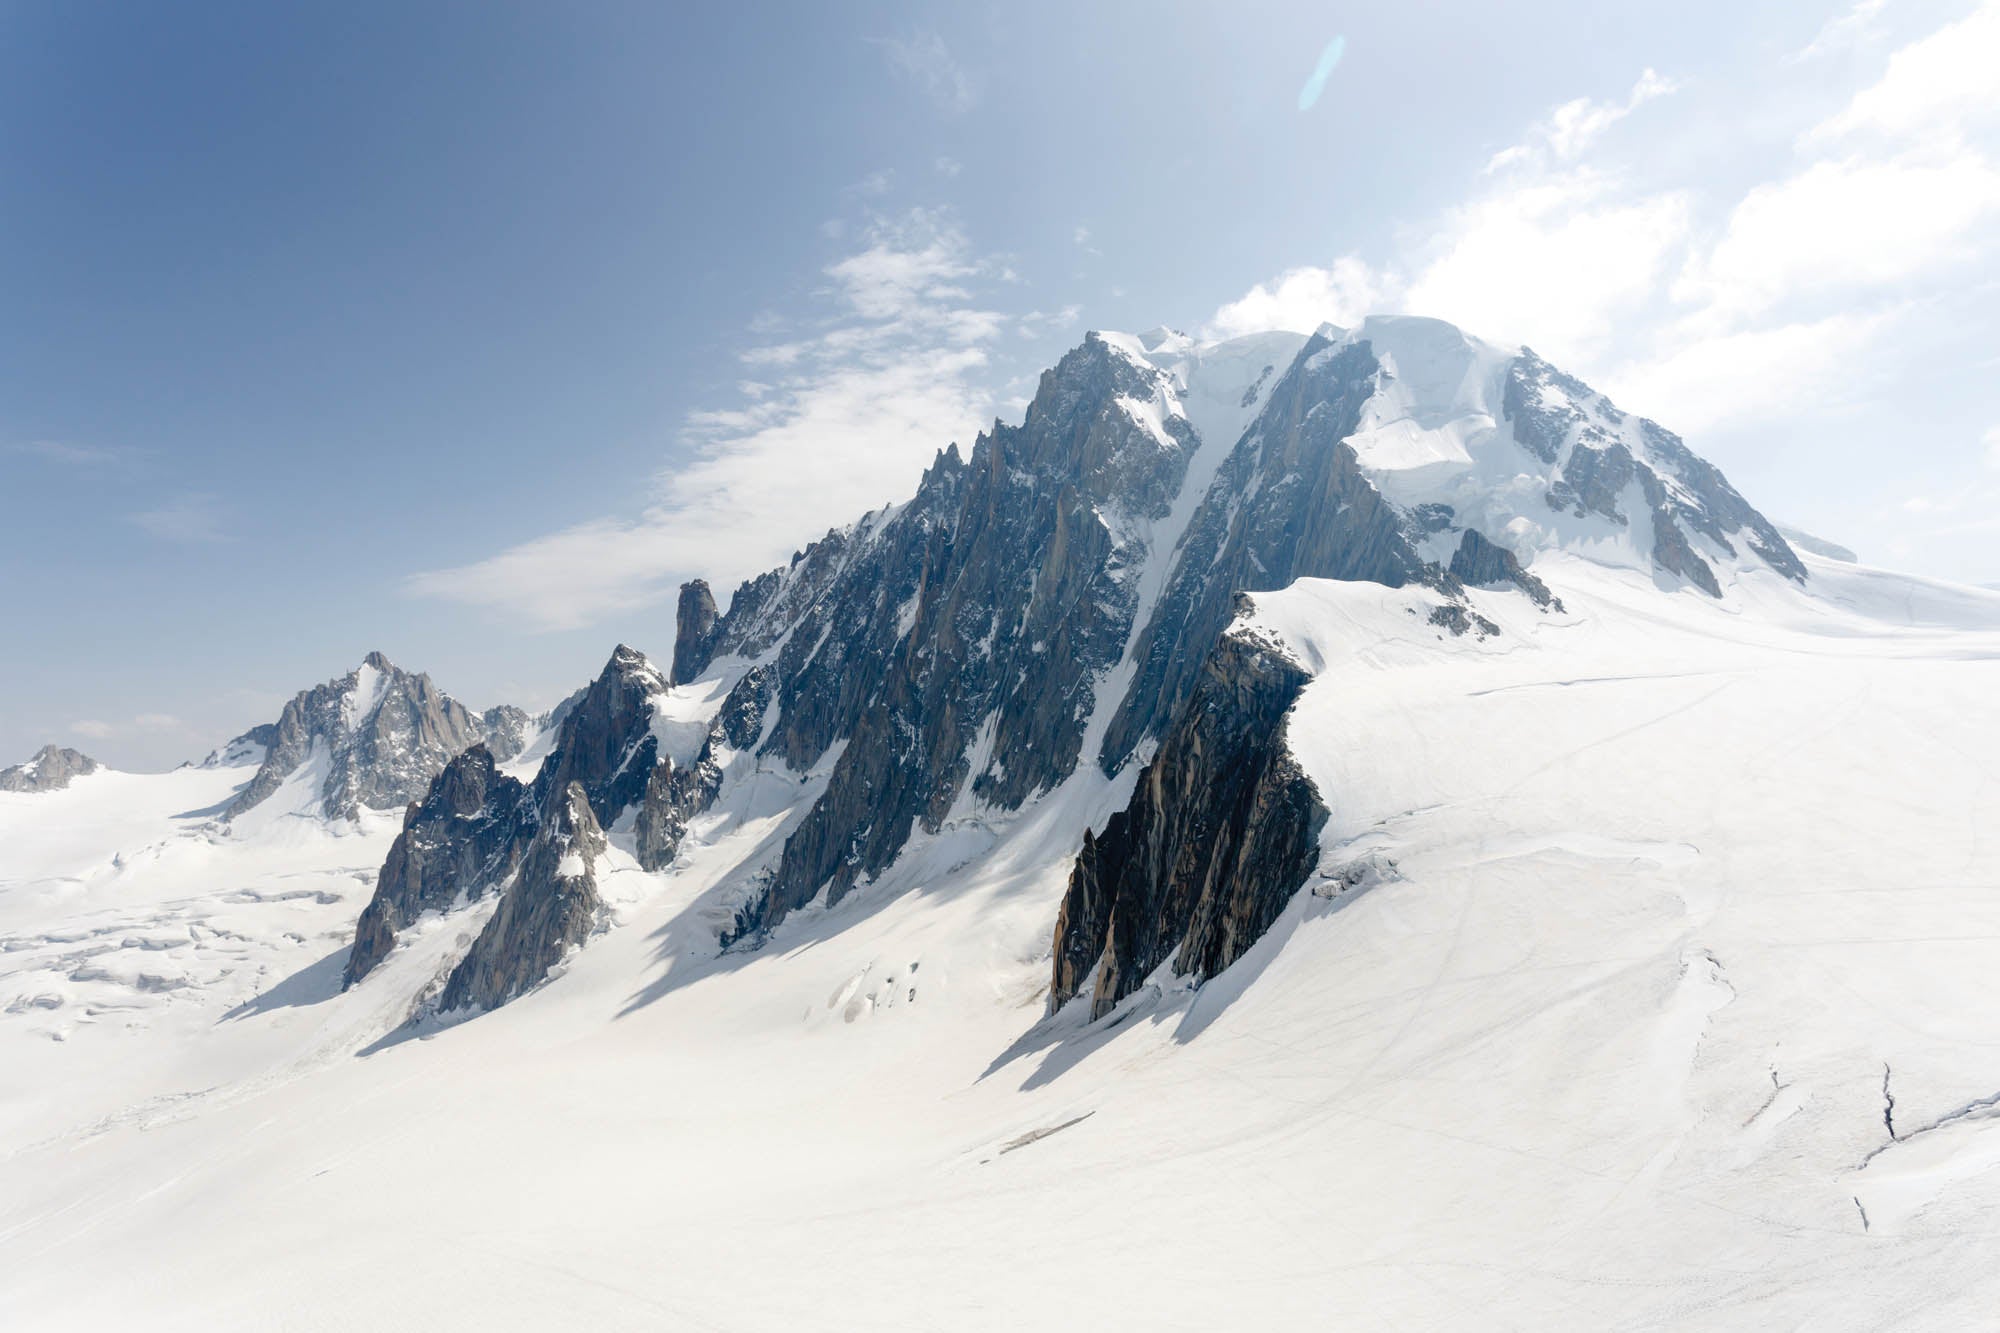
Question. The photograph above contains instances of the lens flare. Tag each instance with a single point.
(1316, 81)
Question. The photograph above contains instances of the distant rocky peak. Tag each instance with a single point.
(370, 739)
(52, 768)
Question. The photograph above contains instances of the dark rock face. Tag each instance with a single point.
(694, 631)
(506, 729)
(1479, 563)
(1708, 504)
(462, 841)
(1222, 830)
(1592, 481)
(675, 795)
(1454, 617)
(1290, 502)
(1552, 413)
(51, 769)
(606, 744)
(386, 734)
(990, 602)
(551, 907)
(1541, 402)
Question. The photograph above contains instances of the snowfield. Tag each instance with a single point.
(1647, 982)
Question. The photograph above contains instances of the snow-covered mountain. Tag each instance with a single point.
(1349, 825)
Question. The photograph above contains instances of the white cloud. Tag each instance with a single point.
(1577, 124)
(1752, 374)
(927, 63)
(93, 728)
(863, 405)
(1302, 299)
(190, 519)
(1553, 261)
(1854, 26)
(1708, 312)
(1932, 88)
(948, 166)
(1842, 224)
(1991, 439)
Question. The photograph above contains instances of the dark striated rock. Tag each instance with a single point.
(1552, 412)
(1593, 479)
(1479, 563)
(990, 603)
(675, 795)
(1712, 506)
(462, 841)
(52, 769)
(1671, 549)
(1541, 402)
(1460, 621)
(551, 906)
(694, 631)
(1434, 517)
(1222, 830)
(386, 733)
(1290, 502)
(606, 743)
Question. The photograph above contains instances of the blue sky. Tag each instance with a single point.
(467, 331)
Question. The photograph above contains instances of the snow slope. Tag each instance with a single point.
(1626, 915)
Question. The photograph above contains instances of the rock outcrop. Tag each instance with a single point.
(551, 906)
(461, 842)
(1222, 830)
(52, 769)
(383, 733)
(694, 631)
(1479, 563)
(1603, 452)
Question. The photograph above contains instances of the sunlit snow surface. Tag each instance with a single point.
(1646, 896)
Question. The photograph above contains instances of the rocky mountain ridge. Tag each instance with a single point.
(1061, 594)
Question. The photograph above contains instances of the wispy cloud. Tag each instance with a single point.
(93, 728)
(1991, 442)
(1577, 124)
(927, 63)
(62, 453)
(1851, 27)
(193, 518)
(837, 421)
